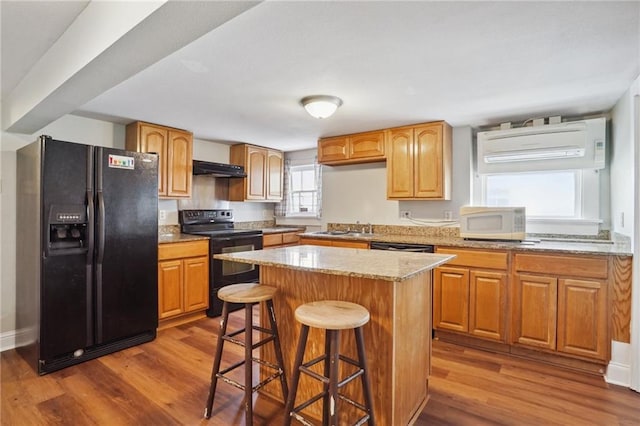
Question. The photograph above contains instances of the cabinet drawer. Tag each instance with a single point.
(290, 238)
(587, 266)
(476, 259)
(182, 250)
(271, 240)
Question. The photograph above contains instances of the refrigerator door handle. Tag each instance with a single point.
(101, 228)
(91, 216)
(100, 241)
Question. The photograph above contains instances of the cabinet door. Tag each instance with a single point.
(487, 304)
(582, 318)
(179, 164)
(333, 149)
(535, 305)
(196, 283)
(274, 178)
(256, 172)
(428, 173)
(451, 299)
(366, 145)
(170, 300)
(400, 163)
(155, 139)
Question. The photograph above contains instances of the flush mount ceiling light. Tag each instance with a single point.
(321, 106)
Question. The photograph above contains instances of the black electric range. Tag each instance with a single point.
(218, 225)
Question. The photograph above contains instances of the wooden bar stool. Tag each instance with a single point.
(332, 316)
(249, 294)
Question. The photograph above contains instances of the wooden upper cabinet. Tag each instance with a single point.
(265, 173)
(175, 155)
(179, 164)
(275, 175)
(350, 149)
(419, 162)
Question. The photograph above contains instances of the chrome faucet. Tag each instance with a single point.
(369, 229)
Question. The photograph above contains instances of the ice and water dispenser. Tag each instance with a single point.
(67, 229)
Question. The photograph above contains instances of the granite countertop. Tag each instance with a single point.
(179, 238)
(279, 229)
(622, 248)
(363, 263)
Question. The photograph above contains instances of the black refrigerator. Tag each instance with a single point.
(87, 251)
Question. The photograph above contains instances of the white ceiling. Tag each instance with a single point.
(392, 63)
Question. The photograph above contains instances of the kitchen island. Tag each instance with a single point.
(396, 289)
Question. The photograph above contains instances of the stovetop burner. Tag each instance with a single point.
(215, 223)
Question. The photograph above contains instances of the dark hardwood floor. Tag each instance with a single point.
(165, 382)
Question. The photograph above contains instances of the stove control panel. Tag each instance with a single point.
(189, 217)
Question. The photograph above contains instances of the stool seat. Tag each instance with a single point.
(332, 315)
(246, 293)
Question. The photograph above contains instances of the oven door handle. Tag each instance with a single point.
(221, 239)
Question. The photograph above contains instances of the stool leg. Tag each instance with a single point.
(327, 374)
(366, 384)
(302, 343)
(278, 349)
(248, 362)
(333, 377)
(216, 362)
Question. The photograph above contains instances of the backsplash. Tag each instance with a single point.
(260, 224)
(427, 231)
(168, 229)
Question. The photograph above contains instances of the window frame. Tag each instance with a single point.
(588, 216)
(290, 195)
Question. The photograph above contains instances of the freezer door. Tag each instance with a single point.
(65, 290)
(126, 244)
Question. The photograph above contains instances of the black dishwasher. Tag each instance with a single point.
(416, 248)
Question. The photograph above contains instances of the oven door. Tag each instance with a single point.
(225, 272)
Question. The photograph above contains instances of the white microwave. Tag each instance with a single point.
(492, 223)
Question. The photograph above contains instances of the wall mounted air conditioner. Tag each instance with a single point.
(562, 146)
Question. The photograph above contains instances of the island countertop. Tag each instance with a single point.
(361, 263)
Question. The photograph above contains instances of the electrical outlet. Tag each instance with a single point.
(405, 214)
(448, 215)
(162, 215)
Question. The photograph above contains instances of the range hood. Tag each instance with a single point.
(217, 169)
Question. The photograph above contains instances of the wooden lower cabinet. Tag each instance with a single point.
(334, 243)
(280, 239)
(470, 300)
(535, 305)
(183, 279)
(560, 303)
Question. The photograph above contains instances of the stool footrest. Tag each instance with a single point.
(309, 402)
(229, 337)
(239, 385)
(347, 379)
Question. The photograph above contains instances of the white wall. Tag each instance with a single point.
(624, 368)
(359, 192)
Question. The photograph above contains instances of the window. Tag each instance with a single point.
(563, 202)
(303, 194)
(302, 190)
(549, 194)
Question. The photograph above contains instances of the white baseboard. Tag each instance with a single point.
(14, 338)
(619, 369)
(618, 374)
